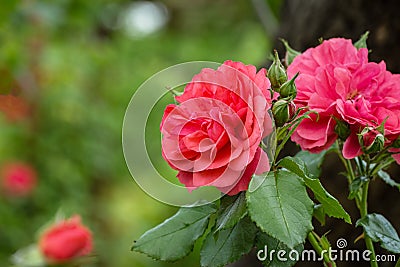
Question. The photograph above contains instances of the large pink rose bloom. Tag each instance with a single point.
(336, 80)
(212, 137)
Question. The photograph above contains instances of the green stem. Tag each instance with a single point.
(350, 173)
(382, 166)
(363, 213)
(362, 202)
(314, 242)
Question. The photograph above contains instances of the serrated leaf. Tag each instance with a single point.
(379, 229)
(281, 207)
(184, 228)
(265, 244)
(295, 165)
(232, 209)
(362, 42)
(312, 161)
(230, 244)
(387, 179)
(331, 205)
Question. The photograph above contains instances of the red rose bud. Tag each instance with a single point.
(292, 110)
(277, 73)
(288, 89)
(17, 179)
(282, 111)
(65, 241)
(371, 140)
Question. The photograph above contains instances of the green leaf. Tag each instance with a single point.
(281, 207)
(312, 161)
(319, 213)
(184, 228)
(232, 209)
(387, 179)
(295, 165)
(362, 42)
(230, 244)
(324, 242)
(265, 244)
(379, 229)
(330, 204)
(356, 186)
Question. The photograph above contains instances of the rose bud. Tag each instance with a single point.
(18, 179)
(283, 111)
(277, 73)
(288, 89)
(371, 140)
(342, 129)
(65, 241)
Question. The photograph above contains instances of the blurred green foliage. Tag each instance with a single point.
(78, 70)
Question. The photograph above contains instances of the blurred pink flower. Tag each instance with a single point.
(18, 179)
(212, 137)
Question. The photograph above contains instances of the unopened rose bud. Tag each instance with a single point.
(277, 73)
(66, 241)
(288, 89)
(371, 140)
(281, 110)
(342, 129)
(292, 110)
(377, 144)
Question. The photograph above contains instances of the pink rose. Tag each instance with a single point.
(212, 137)
(336, 80)
(17, 179)
(65, 241)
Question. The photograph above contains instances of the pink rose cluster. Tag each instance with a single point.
(338, 82)
(212, 137)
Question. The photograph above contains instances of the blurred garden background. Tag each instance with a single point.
(68, 69)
